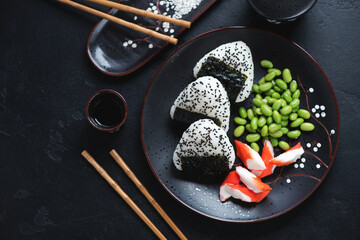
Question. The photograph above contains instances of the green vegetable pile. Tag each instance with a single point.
(275, 108)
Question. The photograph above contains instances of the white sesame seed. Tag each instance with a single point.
(288, 180)
(303, 160)
(318, 166)
(332, 131)
(317, 106)
(317, 115)
(308, 145)
(302, 165)
(323, 114)
(311, 90)
(296, 165)
(315, 149)
(322, 107)
(125, 44)
(151, 46)
(318, 145)
(313, 110)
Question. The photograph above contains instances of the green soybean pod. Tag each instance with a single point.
(264, 101)
(257, 111)
(293, 86)
(284, 123)
(269, 120)
(303, 113)
(240, 121)
(270, 92)
(274, 141)
(271, 101)
(250, 113)
(277, 105)
(276, 116)
(239, 131)
(285, 110)
(255, 146)
(296, 94)
(294, 103)
(286, 74)
(297, 122)
(242, 112)
(284, 145)
(266, 64)
(265, 86)
(257, 102)
(266, 110)
(261, 81)
(307, 127)
(283, 103)
(264, 131)
(274, 127)
(284, 117)
(254, 123)
(254, 137)
(275, 70)
(277, 134)
(284, 130)
(293, 134)
(261, 121)
(270, 76)
(276, 95)
(249, 128)
(256, 88)
(295, 109)
(277, 89)
(258, 96)
(287, 96)
(281, 84)
(293, 116)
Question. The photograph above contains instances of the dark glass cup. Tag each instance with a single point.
(280, 11)
(106, 110)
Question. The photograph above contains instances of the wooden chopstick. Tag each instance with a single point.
(124, 196)
(148, 196)
(121, 22)
(141, 12)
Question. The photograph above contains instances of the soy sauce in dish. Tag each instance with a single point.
(106, 110)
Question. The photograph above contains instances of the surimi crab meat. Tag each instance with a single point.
(289, 156)
(231, 187)
(251, 181)
(267, 155)
(249, 156)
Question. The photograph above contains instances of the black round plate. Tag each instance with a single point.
(290, 185)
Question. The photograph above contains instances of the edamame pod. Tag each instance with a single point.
(284, 145)
(275, 70)
(277, 104)
(285, 110)
(293, 86)
(296, 94)
(286, 74)
(269, 120)
(254, 137)
(270, 76)
(281, 84)
(257, 102)
(277, 134)
(264, 131)
(284, 123)
(250, 113)
(303, 113)
(294, 103)
(293, 134)
(284, 130)
(256, 88)
(287, 96)
(242, 112)
(274, 127)
(255, 146)
(276, 95)
(277, 89)
(297, 122)
(274, 141)
(266, 63)
(265, 86)
(239, 131)
(266, 110)
(276, 116)
(306, 126)
(293, 116)
(240, 121)
(261, 81)
(254, 123)
(249, 128)
(261, 121)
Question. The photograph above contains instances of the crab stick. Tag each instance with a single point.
(266, 155)
(289, 156)
(249, 156)
(251, 181)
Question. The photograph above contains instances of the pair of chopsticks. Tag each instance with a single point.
(127, 199)
(130, 25)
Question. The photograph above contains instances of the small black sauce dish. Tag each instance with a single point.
(106, 110)
(281, 11)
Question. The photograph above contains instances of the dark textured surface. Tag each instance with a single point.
(47, 191)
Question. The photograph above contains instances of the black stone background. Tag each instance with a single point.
(48, 191)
